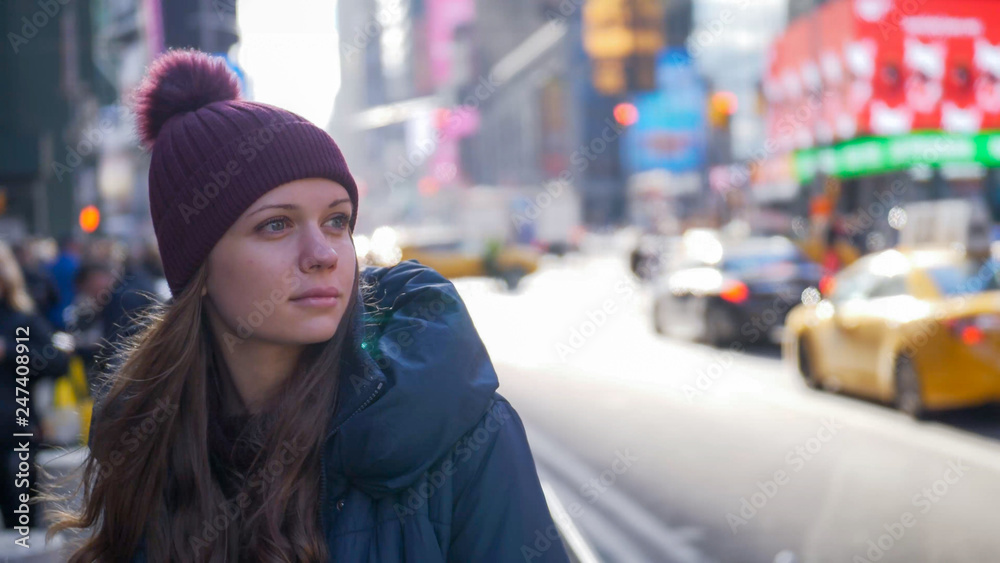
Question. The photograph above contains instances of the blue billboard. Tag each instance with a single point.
(670, 133)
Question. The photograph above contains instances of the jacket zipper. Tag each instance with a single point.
(322, 469)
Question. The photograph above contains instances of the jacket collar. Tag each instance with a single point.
(361, 380)
(433, 381)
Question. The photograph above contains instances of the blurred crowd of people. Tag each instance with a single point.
(74, 298)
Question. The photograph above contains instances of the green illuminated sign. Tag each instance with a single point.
(876, 155)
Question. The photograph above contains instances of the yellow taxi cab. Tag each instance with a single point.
(918, 328)
(453, 256)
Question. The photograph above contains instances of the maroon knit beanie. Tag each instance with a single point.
(214, 154)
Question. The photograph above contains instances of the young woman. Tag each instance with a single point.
(284, 405)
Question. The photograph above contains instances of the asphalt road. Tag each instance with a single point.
(664, 450)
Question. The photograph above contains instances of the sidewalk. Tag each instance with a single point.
(37, 552)
(58, 463)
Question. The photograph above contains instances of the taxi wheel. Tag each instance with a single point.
(806, 365)
(909, 398)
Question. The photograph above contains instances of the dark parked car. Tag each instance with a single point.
(741, 295)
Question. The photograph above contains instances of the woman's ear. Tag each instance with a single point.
(204, 291)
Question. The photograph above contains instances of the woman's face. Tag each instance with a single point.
(293, 239)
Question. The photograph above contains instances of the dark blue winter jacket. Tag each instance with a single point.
(424, 461)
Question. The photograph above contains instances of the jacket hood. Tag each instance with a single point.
(420, 379)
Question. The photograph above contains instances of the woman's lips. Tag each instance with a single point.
(316, 301)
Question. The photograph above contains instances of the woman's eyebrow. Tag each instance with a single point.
(293, 206)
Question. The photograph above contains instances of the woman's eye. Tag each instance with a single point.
(275, 221)
(341, 221)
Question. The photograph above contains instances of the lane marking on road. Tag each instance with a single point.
(614, 504)
(577, 545)
(607, 537)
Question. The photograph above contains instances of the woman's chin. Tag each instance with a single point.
(312, 333)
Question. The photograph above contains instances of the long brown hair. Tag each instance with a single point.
(149, 468)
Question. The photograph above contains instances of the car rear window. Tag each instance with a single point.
(741, 262)
(967, 277)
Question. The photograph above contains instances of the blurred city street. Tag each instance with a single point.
(709, 429)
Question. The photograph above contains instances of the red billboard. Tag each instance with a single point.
(856, 68)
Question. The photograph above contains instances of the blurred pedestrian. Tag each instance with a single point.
(23, 334)
(107, 307)
(284, 405)
(831, 258)
(134, 292)
(153, 266)
(86, 317)
(37, 279)
(63, 271)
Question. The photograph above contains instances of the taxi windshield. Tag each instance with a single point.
(970, 276)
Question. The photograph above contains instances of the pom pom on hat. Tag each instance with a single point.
(180, 81)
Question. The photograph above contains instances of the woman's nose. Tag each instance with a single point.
(317, 251)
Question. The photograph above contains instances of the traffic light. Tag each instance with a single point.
(626, 114)
(90, 218)
(622, 38)
(609, 76)
(606, 29)
(721, 107)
